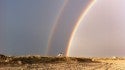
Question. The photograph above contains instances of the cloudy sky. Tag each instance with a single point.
(44, 27)
(26, 25)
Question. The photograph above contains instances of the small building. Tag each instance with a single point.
(60, 54)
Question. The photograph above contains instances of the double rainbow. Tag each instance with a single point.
(82, 16)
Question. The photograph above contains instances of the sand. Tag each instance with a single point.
(62, 63)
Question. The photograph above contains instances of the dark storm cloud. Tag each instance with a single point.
(26, 26)
(2, 25)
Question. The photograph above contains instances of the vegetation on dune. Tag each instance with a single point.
(35, 59)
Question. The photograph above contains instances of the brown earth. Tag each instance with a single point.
(60, 63)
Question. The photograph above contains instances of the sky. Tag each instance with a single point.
(44, 27)
(25, 25)
(102, 31)
(65, 25)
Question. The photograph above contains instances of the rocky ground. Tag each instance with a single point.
(60, 63)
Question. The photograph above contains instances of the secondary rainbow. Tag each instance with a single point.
(82, 16)
(55, 25)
